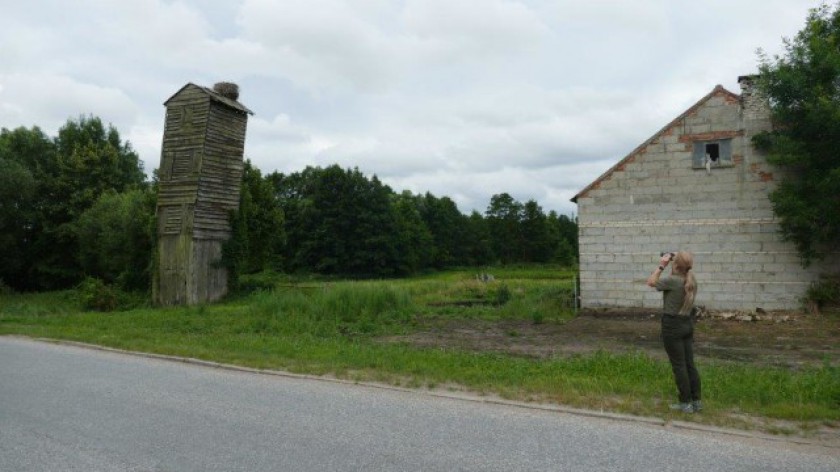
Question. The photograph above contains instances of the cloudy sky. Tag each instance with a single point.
(461, 98)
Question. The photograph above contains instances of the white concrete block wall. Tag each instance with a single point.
(655, 201)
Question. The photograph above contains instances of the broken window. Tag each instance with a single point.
(710, 154)
(713, 151)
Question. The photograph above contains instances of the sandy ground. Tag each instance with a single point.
(781, 339)
(787, 340)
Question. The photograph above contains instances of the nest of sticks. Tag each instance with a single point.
(227, 90)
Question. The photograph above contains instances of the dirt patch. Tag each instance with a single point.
(785, 340)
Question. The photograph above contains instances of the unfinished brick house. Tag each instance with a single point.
(699, 185)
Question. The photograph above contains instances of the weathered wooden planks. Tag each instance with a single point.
(200, 177)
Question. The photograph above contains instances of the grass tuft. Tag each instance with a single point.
(333, 328)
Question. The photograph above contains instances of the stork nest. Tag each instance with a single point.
(227, 90)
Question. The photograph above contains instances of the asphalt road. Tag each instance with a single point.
(66, 408)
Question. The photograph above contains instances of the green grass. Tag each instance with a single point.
(332, 328)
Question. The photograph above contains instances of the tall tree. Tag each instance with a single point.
(258, 232)
(504, 215)
(27, 160)
(478, 244)
(17, 188)
(116, 238)
(414, 241)
(90, 160)
(565, 234)
(803, 87)
(537, 245)
(338, 222)
(446, 223)
(71, 172)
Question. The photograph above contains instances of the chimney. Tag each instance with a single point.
(755, 108)
(227, 90)
(747, 83)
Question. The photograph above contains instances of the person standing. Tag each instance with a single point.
(678, 292)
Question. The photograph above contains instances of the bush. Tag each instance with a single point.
(116, 237)
(264, 281)
(824, 292)
(5, 289)
(94, 294)
(344, 309)
(503, 295)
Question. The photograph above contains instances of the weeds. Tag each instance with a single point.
(333, 327)
(823, 293)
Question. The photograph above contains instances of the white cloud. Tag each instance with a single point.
(473, 30)
(146, 140)
(49, 100)
(464, 98)
(319, 43)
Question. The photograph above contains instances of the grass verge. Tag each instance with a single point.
(332, 329)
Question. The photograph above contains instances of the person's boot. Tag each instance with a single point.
(683, 407)
(697, 405)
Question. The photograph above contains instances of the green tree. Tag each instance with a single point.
(414, 241)
(90, 160)
(122, 167)
(258, 233)
(338, 222)
(447, 224)
(71, 172)
(537, 244)
(116, 238)
(564, 232)
(30, 148)
(478, 244)
(504, 215)
(803, 87)
(27, 160)
(17, 188)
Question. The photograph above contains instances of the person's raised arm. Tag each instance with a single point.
(663, 263)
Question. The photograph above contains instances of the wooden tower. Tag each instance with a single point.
(200, 176)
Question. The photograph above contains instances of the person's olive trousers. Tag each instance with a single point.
(678, 337)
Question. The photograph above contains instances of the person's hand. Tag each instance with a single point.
(665, 260)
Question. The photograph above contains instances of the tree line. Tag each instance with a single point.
(78, 206)
(72, 206)
(340, 222)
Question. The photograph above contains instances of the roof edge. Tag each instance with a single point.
(718, 89)
(214, 96)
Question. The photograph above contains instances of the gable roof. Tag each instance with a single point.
(213, 96)
(718, 90)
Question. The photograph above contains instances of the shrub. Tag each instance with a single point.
(264, 281)
(116, 237)
(5, 289)
(503, 295)
(94, 294)
(824, 292)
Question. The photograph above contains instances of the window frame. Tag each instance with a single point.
(698, 155)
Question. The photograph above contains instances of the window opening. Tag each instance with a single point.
(708, 154)
(713, 151)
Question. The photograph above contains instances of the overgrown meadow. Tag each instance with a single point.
(336, 327)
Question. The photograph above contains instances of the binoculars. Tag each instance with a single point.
(672, 254)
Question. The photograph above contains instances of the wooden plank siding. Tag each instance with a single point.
(200, 177)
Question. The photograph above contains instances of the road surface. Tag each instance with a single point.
(67, 408)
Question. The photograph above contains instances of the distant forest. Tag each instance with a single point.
(79, 206)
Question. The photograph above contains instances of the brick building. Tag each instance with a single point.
(699, 185)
